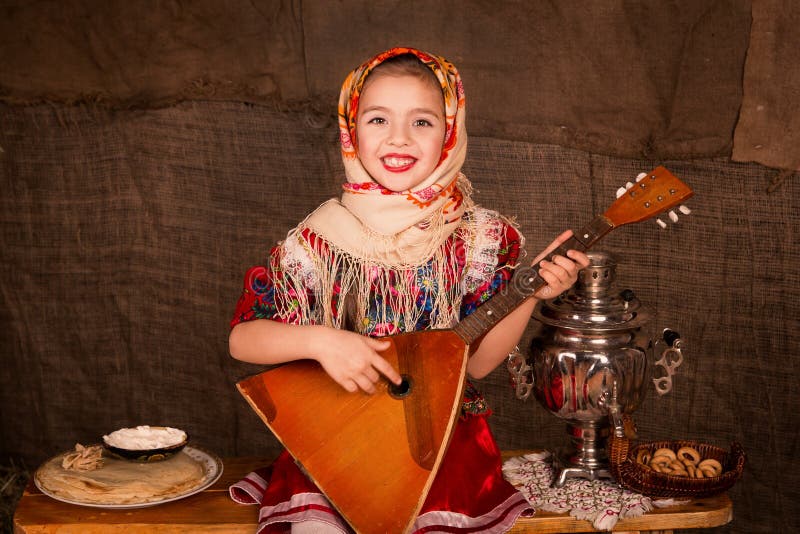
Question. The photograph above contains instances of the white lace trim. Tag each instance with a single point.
(297, 261)
(481, 261)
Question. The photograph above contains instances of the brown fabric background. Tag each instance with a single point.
(631, 79)
(127, 223)
(769, 124)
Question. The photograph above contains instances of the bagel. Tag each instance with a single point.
(710, 464)
(677, 468)
(708, 472)
(689, 454)
(677, 465)
(663, 461)
(657, 467)
(643, 456)
(665, 451)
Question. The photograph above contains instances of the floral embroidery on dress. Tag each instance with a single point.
(474, 403)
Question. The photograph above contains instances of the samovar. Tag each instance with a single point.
(590, 359)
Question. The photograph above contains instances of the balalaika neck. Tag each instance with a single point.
(525, 282)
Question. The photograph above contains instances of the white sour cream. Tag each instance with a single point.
(145, 437)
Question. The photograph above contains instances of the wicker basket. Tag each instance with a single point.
(639, 478)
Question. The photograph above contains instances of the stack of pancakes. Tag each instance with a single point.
(122, 482)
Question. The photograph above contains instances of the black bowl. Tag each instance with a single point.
(147, 455)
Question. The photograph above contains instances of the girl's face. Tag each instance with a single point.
(400, 130)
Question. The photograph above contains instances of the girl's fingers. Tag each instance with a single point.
(380, 363)
(552, 246)
(554, 273)
(386, 369)
(548, 276)
(578, 257)
(365, 384)
(371, 374)
(349, 385)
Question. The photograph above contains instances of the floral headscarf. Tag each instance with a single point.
(422, 217)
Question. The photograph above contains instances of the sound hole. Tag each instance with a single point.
(403, 389)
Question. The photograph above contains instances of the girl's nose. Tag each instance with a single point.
(399, 135)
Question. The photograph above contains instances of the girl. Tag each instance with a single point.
(404, 249)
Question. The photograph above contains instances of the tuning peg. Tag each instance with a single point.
(673, 216)
(683, 209)
(628, 185)
(621, 191)
(661, 223)
(641, 176)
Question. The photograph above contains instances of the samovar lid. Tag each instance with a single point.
(593, 302)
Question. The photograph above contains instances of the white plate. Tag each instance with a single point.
(212, 470)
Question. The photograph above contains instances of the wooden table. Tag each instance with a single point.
(213, 511)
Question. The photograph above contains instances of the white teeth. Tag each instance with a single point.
(397, 162)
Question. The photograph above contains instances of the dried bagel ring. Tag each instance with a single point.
(678, 469)
(698, 473)
(689, 454)
(677, 465)
(643, 456)
(660, 464)
(665, 451)
(712, 464)
(708, 472)
(663, 459)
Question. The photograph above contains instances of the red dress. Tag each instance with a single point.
(469, 493)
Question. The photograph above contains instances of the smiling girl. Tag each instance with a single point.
(404, 249)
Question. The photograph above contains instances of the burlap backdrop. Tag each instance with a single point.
(131, 206)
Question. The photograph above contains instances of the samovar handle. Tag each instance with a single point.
(521, 374)
(671, 359)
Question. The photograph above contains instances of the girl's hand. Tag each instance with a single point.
(560, 273)
(352, 360)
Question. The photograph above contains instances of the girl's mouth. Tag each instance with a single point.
(398, 163)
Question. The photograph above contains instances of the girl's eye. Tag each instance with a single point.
(377, 120)
(422, 122)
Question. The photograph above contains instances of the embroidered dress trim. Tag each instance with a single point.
(249, 490)
(499, 520)
(301, 507)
